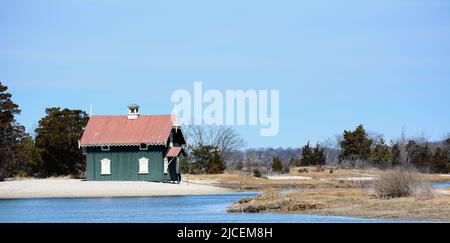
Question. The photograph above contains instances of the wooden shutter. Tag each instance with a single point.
(105, 166)
(143, 165)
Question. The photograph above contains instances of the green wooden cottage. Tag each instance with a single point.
(133, 147)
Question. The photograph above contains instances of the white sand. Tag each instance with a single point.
(355, 179)
(288, 178)
(442, 191)
(370, 175)
(34, 188)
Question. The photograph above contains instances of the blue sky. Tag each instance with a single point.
(385, 64)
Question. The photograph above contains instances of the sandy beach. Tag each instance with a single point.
(55, 188)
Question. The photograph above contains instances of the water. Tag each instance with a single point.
(441, 184)
(176, 209)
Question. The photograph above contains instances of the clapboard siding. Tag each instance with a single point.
(125, 164)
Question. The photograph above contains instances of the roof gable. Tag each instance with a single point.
(119, 130)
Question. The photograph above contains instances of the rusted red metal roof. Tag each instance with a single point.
(119, 130)
(173, 152)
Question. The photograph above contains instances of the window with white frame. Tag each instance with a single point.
(143, 165)
(166, 165)
(105, 166)
(105, 148)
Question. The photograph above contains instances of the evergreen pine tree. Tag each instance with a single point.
(276, 164)
(216, 164)
(419, 154)
(355, 144)
(11, 133)
(319, 157)
(57, 140)
(380, 154)
(307, 155)
(439, 161)
(207, 159)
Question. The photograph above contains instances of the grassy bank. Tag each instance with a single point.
(334, 192)
(348, 202)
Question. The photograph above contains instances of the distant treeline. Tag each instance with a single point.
(293, 155)
(353, 149)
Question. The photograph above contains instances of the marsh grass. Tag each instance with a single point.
(402, 182)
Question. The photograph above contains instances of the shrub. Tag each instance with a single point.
(238, 165)
(256, 173)
(303, 170)
(401, 182)
(277, 166)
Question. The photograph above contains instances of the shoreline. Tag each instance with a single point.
(353, 203)
(79, 188)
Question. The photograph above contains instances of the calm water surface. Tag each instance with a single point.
(176, 209)
(441, 185)
(183, 209)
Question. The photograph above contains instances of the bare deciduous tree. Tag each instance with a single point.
(375, 136)
(250, 161)
(330, 153)
(225, 139)
(402, 142)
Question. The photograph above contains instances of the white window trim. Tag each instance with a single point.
(177, 168)
(105, 166)
(106, 148)
(143, 148)
(166, 165)
(143, 165)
